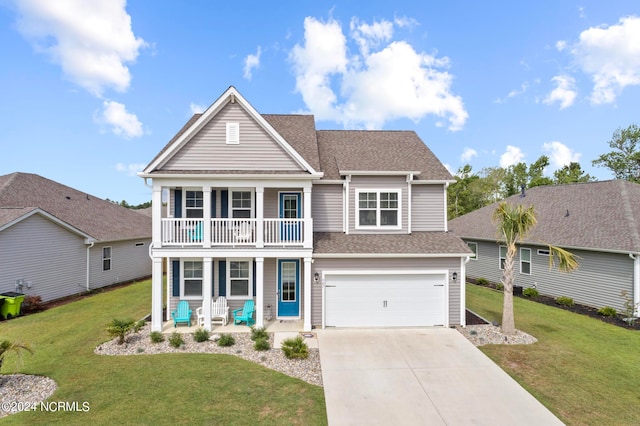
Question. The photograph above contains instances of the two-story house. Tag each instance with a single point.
(337, 228)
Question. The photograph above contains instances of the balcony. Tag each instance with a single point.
(246, 233)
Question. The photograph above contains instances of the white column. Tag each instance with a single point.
(207, 290)
(259, 291)
(307, 294)
(156, 295)
(308, 222)
(156, 216)
(259, 217)
(206, 215)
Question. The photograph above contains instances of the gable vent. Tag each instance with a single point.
(233, 133)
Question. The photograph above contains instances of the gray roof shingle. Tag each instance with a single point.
(414, 243)
(103, 220)
(596, 215)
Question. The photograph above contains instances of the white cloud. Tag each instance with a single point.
(382, 81)
(561, 45)
(564, 92)
(513, 155)
(196, 109)
(560, 155)
(122, 122)
(251, 62)
(468, 154)
(130, 169)
(91, 41)
(515, 92)
(611, 56)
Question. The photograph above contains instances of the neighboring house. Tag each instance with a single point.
(597, 221)
(56, 241)
(337, 228)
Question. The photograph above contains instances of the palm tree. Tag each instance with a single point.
(9, 346)
(513, 224)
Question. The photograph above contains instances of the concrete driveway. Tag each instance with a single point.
(419, 377)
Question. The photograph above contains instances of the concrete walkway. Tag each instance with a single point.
(419, 377)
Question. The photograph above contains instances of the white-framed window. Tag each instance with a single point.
(543, 252)
(239, 279)
(378, 209)
(106, 258)
(503, 256)
(474, 249)
(241, 203)
(193, 204)
(233, 133)
(192, 277)
(525, 261)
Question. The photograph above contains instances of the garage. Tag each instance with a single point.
(384, 299)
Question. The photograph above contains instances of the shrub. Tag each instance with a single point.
(120, 328)
(295, 348)
(258, 333)
(201, 335)
(156, 337)
(226, 340)
(629, 308)
(176, 339)
(500, 286)
(564, 301)
(530, 292)
(607, 311)
(261, 345)
(10, 346)
(482, 281)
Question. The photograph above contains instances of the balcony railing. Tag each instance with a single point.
(235, 232)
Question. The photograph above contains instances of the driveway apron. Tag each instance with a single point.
(426, 376)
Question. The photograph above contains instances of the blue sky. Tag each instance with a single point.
(92, 90)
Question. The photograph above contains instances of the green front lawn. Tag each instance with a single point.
(148, 389)
(582, 369)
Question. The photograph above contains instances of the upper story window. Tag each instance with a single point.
(241, 204)
(233, 133)
(474, 249)
(525, 261)
(193, 204)
(378, 209)
(106, 258)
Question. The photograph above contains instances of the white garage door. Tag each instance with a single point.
(384, 300)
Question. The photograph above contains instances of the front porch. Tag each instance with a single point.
(271, 326)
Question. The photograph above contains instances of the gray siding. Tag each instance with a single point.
(208, 149)
(272, 201)
(597, 282)
(128, 262)
(427, 208)
(450, 264)
(377, 182)
(49, 256)
(327, 208)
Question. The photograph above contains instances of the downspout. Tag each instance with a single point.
(89, 264)
(636, 282)
(346, 204)
(409, 184)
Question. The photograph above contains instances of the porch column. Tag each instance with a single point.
(259, 291)
(259, 217)
(156, 295)
(307, 294)
(308, 222)
(207, 289)
(156, 216)
(206, 216)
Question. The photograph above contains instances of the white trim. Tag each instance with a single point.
(299, 285)
(230, 201)
(409, 204)
(378, 209)
(530, 261)
(386, 255)
(500, 257)
(37, 210)
(541, 252)
(184, 199)
(345, 211)
(249, 295)
(182, 278)
(233, 133)
(379, 172)
(432, 182)
(329, 182)
(444, 207)
(300, 201)
(110, 258)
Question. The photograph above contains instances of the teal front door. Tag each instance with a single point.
(288, 288)
(290, 230)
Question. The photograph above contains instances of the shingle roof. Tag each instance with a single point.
(103, 220)
(377, 150)
(596, 215)
(414, 243)
(300, 132)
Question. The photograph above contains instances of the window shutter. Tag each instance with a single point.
(224, 203)
(222, 278)
(177, 208)
(213, 203)
(233, 133)
(175, 275)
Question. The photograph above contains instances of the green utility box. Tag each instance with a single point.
(11, 303)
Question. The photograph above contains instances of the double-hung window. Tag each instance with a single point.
(106, 258)
(239, 279)
(378, 209)
(242, 204)
(193, 203)
(474, 248)
(503, 256)
(192, 278)
(525, 261)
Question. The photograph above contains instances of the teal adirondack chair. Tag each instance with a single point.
(245, 314)
(195, 234)
(182, 313)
